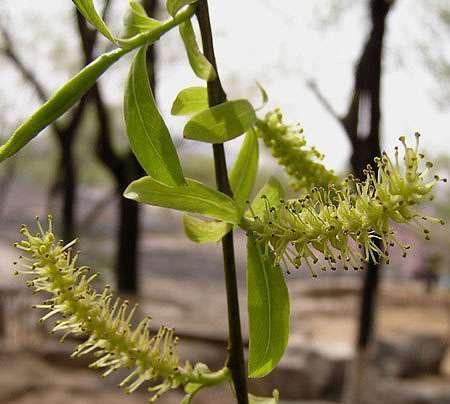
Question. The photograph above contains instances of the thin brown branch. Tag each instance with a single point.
(216, 96)
(312, 85)
(29, 76)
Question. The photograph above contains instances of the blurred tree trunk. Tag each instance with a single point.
(124, 169)
(69, 185)
(129, 232)
(6, 182)
(362, 126)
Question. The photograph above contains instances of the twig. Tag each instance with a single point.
(312, 85)
(26, 72)
(216, 95)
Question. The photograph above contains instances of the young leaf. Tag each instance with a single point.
(173, 6)
(270, 194)
(264, 96)
(200, 65)
(192, 197)
(191, 390)
(190, 101)
(268, 311)
(201, 231)
(148, 134)
(59, 103)
(87, 8)
(242, 179)
(150, 36)
(137, 20)
(221, 123)
(264, 400)
(243, 173)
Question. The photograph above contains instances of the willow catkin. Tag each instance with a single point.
(342, 224)
(104, 319)
(288, 146)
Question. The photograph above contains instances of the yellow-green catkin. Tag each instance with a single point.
(104, 319)
(288, 146)
(343, 224)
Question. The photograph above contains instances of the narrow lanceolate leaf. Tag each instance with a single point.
(221, 123)
(59, 103)
(201, 231)
(200, 65)
(270, 195)
(190, 101)
(268, 311)
(243, 173)
(137, 20)
(192, 197)
(264, 96)
(148, 134)
(173, 6)
(89, 12)
(264, 400)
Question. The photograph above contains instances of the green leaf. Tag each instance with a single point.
(89, 12)
(191, 390)
(268, 311)
(137, 20)
(264, 96)
(148, 134)
(152, 35)
(59, 103)
(190, 101)
(264, 400)
(173, 6)
(242, 179)
(270, 194)
(221, 123)
(201, 231)
(243, 173)
(200, 65)
(192, 197)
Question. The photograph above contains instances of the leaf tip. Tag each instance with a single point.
(129, 194)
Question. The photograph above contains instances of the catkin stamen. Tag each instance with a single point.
(105, 319)
(351, 221)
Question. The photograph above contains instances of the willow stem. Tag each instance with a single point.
(211, 379)
(216, 95)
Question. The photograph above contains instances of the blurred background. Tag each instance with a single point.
(355, 75)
